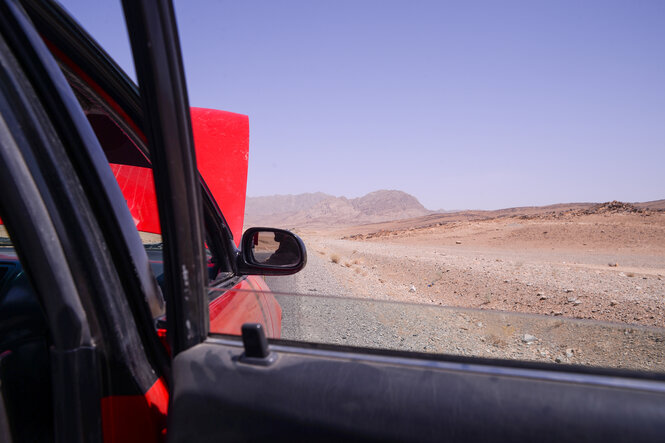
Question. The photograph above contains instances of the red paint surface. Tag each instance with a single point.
(222, 150)
(138, 188)
(246, 303)
(136, 418)
(222, 146)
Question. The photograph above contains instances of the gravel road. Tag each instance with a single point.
(311, 302)
(325, 311)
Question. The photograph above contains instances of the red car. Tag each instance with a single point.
(83, 320)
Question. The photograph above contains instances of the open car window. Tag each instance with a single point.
(353, 262)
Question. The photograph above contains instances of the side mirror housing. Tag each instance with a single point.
(270, 251)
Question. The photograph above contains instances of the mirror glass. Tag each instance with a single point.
(275, 248)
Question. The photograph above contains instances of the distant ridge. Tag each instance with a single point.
(283, 204)
(324, 209)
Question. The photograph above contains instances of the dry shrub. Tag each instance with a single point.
(496, 341)
(334, 258)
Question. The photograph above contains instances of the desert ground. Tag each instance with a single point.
(574, 285)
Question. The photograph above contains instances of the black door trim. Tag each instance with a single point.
(156, 49)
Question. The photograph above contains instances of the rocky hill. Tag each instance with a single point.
(283, 204)
(323, 209)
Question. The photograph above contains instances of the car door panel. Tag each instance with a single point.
(341, 396)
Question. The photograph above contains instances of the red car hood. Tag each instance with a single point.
(221, 140)
(222, 150)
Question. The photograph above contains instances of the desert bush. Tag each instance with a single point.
(334, 258)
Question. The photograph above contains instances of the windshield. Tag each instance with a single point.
(476, 180)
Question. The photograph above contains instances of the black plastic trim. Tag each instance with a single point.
(113, 215)
(156, 49)
(350, 397)
(96, 223)
(513, 368)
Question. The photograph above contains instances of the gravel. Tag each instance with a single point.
(345, 303)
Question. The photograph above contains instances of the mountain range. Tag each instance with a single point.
(324, 209)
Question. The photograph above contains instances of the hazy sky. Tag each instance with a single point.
(464, 104)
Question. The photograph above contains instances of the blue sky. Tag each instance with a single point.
(464, 104)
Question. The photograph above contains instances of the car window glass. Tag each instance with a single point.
(358, 111)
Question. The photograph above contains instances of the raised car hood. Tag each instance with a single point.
(222, 148)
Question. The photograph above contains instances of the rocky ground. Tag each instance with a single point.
(594, 279)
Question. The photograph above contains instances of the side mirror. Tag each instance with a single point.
(270, 251)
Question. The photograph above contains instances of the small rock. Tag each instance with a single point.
(412, 289)
(506, 281)
(558, 360)
(568, 291)
(543, 297)
(528, 339)
(570, 352)
(557, 313)
(479, 324)
(571, 300)
(540, 294)
(613, 303)
(577, 303)
(613, 265)
(458, 242)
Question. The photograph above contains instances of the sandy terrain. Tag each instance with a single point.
(606, 265)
